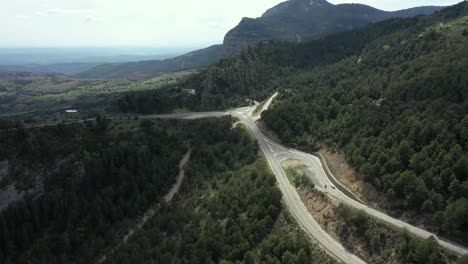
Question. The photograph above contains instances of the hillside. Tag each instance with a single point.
(393, 96)
(291, 21)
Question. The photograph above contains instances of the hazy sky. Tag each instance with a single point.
(55, 23)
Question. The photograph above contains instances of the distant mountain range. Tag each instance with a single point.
(59, 68)
(290, 21)
(195, 59)
(71, 60)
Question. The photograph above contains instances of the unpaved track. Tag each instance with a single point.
(154, 209)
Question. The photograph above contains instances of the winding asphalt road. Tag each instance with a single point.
(275, 154)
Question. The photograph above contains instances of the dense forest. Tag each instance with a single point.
(93, 180)
(392, 96)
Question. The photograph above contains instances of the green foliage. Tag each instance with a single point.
(299, 178)
(415, 251)
(358, 219)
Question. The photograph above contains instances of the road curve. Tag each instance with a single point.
(292, 198)
(275, 153)
(321, 180)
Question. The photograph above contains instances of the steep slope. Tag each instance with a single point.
(195, 59)
(304, 20)
(291, 21)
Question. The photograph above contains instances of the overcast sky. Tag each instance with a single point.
(56, 23)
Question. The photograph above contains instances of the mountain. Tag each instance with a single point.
(304, 20)
(195, 59)
(291, 21)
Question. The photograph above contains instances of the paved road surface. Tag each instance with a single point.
(188, 116)
(276, 153)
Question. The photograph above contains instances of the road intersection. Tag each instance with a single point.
(275, 154)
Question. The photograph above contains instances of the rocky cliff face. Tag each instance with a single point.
(304, 20)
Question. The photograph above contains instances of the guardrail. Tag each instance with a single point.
(334, 180)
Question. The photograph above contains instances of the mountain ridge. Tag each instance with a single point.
(291, 21)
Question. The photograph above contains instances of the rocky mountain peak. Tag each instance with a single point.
(296, 6)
